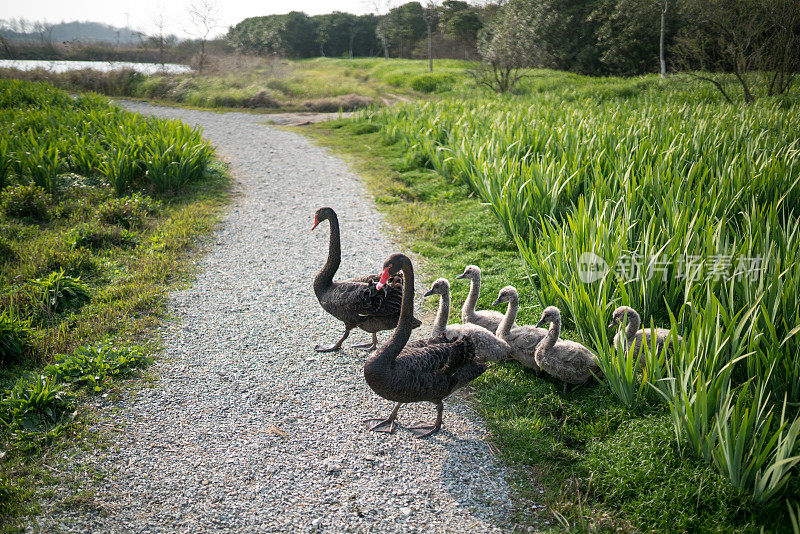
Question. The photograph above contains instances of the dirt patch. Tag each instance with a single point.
(304, 118)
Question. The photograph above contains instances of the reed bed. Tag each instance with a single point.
(48, 134)
(688, 211)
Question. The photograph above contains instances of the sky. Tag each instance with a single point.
(140, 14)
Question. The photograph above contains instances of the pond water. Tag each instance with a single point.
(104, 66)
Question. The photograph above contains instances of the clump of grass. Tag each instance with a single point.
(99, 237)
(26, 202)
(91, 368)
(128, 212)
(7, 252)
(15, 336)
(58, 293)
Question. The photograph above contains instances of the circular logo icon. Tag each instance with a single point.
(591, 267)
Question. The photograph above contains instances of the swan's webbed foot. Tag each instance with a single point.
(386, 425)
(336, 346)
(421, 430)
(368, 346)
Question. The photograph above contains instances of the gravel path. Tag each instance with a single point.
(248, 429)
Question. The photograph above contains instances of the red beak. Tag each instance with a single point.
(383, 280)
(316, 222)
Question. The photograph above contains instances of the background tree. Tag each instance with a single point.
(431, 16)
(506, 47)
(627, 36)
(405, 25)
(460, 22)
(758, 41)
(203, 15)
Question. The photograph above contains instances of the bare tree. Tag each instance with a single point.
(431, 15)
(664, 7)
(204, 16)
(759, 42)
(381, 9)
(157, 18)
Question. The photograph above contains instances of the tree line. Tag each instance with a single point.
(595, 37)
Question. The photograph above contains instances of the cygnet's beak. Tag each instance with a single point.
(428, 293)
(461, 276)
(540, 323)
(611, 325)
(496, 302)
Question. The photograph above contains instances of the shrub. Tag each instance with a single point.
(432, 82)
(345, 103)
(129, 211)
(14, 338)
(59, 292)
(262, 99)
(25, 202)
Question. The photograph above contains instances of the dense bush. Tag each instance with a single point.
(25, 202)
(432, 82)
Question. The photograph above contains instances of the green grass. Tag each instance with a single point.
(89, 267)
(573, 445)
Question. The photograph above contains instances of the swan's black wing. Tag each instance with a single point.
(433, 371)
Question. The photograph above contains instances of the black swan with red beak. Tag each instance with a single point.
(423, 371)
(357, 302)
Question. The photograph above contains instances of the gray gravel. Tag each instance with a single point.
(246, 428)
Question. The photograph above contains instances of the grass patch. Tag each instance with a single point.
(602, 465)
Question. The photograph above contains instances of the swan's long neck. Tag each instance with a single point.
(325, 277)
(390, 350)
(504, 328)
(468, 309)
(442, 315)
(552, 336)
(634, 322)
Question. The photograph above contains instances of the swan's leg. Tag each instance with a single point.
(422, 431)
(565, 388)
(386, 425)
(336, 346)
(369, 346)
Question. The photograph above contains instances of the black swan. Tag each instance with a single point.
(356, 301)
(430, 372)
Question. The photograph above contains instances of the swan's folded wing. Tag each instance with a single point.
(525, 339)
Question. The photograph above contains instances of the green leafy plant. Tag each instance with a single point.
(99, 237)
(15, 336)
(25, 202)
(59, 292)
(36, 408)
(89, 368)
(128, 211)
